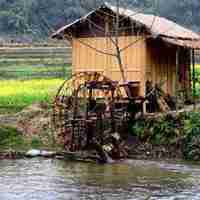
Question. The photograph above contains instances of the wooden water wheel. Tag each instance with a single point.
(81, 107)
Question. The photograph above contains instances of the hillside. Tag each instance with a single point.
(36, 19)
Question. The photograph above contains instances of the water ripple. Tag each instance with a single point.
(131, 180)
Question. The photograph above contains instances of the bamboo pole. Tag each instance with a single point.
(177, 72)
(118, 51)
(193, 79)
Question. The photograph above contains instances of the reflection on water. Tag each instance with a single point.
(133, 180)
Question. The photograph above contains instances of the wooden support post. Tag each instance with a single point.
(113, 125)
(193, 79)
(177, 76)
(144, 108)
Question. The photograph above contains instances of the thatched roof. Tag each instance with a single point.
(158, 27)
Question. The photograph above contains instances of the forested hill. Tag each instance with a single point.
(38, 18)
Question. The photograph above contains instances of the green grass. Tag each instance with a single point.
(197, 85)
(17, 93)
(10, 138)
(28, 70)
(25, 81)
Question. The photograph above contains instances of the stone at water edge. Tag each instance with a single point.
(33, 153)
(37, 153)
(47, 153)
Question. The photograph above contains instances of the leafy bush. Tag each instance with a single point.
(192, 136)
(158, 131)
(183, 131)
(10, 138)
(36, 143)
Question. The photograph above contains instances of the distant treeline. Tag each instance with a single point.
(36, 19)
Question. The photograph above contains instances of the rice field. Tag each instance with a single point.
(24, 81)
(19, 93)
(29, 75)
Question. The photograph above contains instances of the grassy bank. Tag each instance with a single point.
(11, 139)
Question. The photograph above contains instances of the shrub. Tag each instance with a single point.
(192, 136)
(183, 130)
(163, 131)
(36, 142)
(10, 138)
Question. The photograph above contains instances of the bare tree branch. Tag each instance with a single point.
(70, 37)
(90, 27)
(117, 29)
(152, 24)
(101, 29)
(132, 43)
(97, 26)
(108, 14)
(97, 50)
(118, 56)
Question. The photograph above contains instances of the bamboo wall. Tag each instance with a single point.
(144, 61)
(133, 58)
(161, 67)
(185, 73)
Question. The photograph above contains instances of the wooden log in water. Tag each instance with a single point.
(82, 156)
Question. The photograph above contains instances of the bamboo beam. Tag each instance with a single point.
(177, 74)
(193, 79)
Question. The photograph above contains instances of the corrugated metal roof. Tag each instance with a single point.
(158, 27)
(195, 44)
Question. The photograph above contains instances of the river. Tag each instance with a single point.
(41, 179)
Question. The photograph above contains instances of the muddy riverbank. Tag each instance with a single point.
(167, 137)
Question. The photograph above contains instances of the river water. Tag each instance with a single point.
(40, 179)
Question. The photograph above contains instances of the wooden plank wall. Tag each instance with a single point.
(133, 58)
(87, 59)
(161, 66)
(144, 61)
(185, 73)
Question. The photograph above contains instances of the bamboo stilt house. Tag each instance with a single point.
(153, 49)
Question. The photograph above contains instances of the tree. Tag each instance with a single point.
(113, 33)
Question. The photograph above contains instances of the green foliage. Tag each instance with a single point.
(158, 131)
(38, 18)
(36, 143)
(17, 93)
(183, 131)
(197, 84)
(185, 12)
(192, 124)
(192, 136)
(10, 138)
